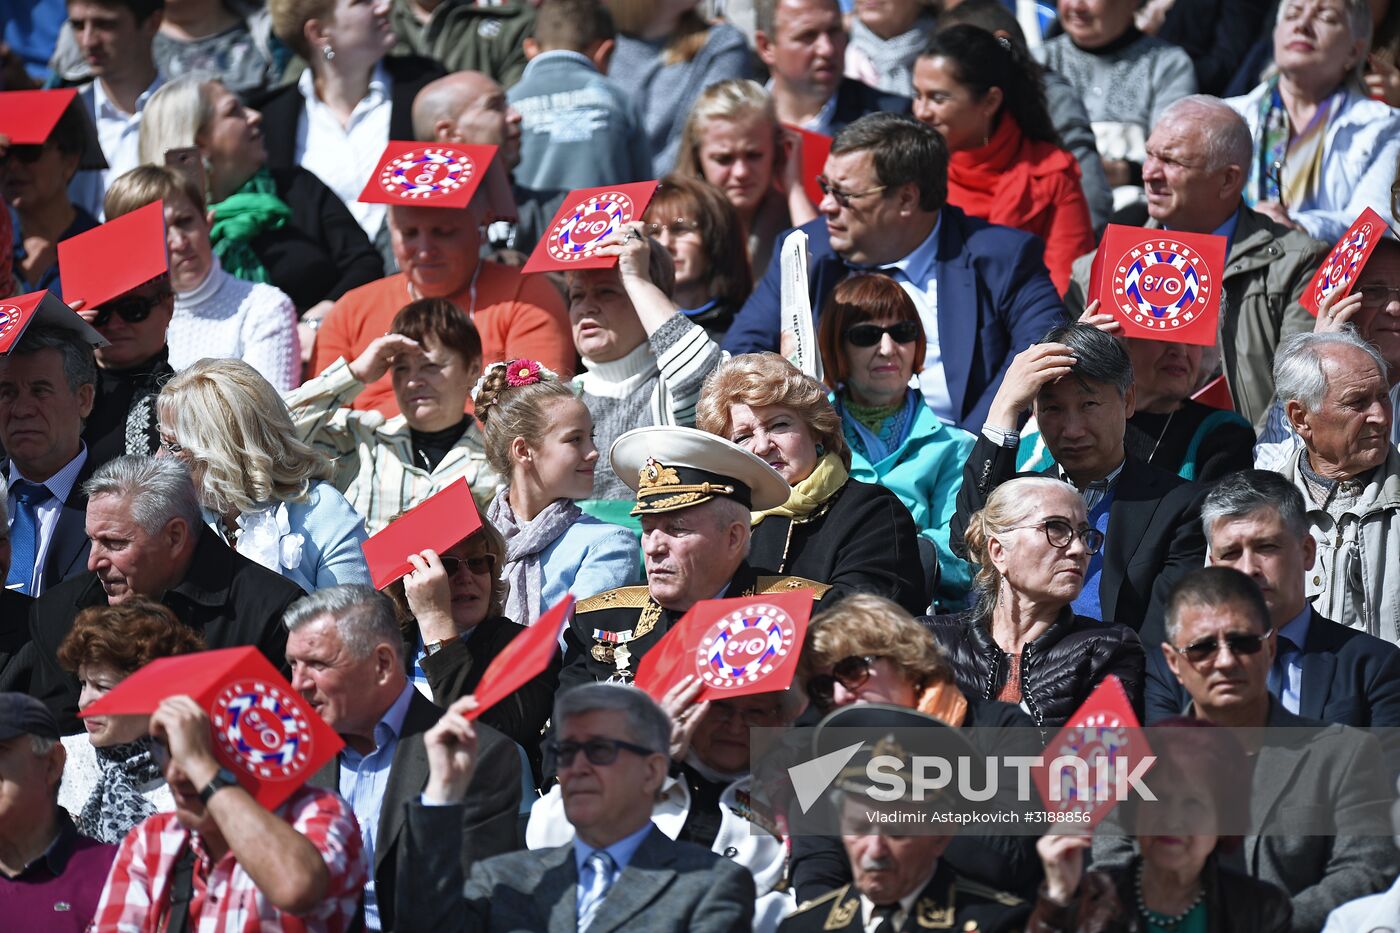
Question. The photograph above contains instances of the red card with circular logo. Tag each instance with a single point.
(263, 731)
(1160, 284)
(19, 312)
(427, 174)
(738, 646)
(586, 217)
(1342, 267)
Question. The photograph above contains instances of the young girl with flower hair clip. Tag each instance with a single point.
(539, 437)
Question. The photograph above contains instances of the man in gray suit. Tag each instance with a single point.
(620, 873)
(1220, 646)
(345, 651)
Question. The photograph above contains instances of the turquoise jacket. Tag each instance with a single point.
(926, 472)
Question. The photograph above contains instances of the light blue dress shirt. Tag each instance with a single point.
(364, 779)
(60, 486)
(620, 851)
(1290, 692)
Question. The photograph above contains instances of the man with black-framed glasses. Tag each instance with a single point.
(619, 873)
(1220, 646)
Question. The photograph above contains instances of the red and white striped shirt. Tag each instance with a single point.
(225, 899)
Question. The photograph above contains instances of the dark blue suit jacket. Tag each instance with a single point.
(995, 298)
(854, 99)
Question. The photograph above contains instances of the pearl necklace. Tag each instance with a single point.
(1169, 921)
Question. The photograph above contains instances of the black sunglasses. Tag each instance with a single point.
(1241, 643)
(26, 154)
(597, 751)
(133, 309)
(851, 673)
(482, 566)
(867, 335)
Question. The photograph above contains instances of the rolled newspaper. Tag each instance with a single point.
(796, 306)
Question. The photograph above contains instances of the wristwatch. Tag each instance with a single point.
(224, 778)
(433, 647)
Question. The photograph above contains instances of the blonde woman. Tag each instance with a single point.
(733, 140)
(266, 492)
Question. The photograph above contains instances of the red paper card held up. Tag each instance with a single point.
(110, 260)
(737, 646)
(436, 523)
(427, 174)
(1104, 727)
(28, 117)
(1216, 394)
(1342, 267)
(1160, 284)
(263, 730)
(525, 658)
(18, 313)
(586, 217)
(815, 148)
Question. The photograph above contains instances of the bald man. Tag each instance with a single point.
(468, 107)
(1197, 164)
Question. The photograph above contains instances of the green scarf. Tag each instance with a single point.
(241, 218)
(810, 494)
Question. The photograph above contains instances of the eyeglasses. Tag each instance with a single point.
(1240, 643)
(133, 309)
(25, 154)
(1378, 296)
(867, 335)
(678, 227)
(1060, 532)
(481, 566)
(597, 751)
(844, 198)
(171, 446)
(851, 673)
(724, 713)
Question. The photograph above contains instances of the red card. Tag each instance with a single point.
(1342, 267)
(264, 732)
(111, 260)
(525, 658)
(585, 217)
(815, 148)
(1104, 728)
(16, 314)
(427, 174)
(738, 646)
(438, 522)
(28, 117)
(1216, 394)
(1160, 284)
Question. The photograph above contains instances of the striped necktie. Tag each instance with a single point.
(602, 866)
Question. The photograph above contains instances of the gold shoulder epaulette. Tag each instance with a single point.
(829, 896)
(624, 597)
(1006, 899)
(783, 584)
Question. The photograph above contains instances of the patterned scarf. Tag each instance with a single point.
(524, 543)
(877, 432)
(241, 218)
(116, 804)
(1288, 168)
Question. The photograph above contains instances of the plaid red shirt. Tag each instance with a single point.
(225, 900)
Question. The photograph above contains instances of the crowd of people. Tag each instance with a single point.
(998, 495)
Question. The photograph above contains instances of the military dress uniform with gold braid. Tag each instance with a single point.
(610, 632)
(947, 902)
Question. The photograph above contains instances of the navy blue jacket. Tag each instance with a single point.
(995, 298)
(854, 99)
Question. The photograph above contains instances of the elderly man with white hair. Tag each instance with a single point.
(1336, 396)
(1198, 159)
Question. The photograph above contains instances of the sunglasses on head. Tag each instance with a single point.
(481, 566)
(1240, 643)
(867, 335)
(851, 673)
(130, 308)
(597, 751)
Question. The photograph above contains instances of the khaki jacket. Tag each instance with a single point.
(1266, 270)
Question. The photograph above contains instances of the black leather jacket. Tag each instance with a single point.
(1058, 670)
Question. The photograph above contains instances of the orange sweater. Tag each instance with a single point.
(516, 315)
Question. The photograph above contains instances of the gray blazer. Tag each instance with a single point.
(666, 886)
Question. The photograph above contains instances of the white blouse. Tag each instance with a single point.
(227, 318)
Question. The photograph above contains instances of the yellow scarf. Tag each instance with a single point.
(809, 494)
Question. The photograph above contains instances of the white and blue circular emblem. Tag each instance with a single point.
(427, 174)
(745, 647)
(263, 729)
(1161, 285)
(575, 235)
(1344, 263)
(10, 316)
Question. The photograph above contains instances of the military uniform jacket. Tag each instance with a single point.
(610, 632)
(947, 902)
